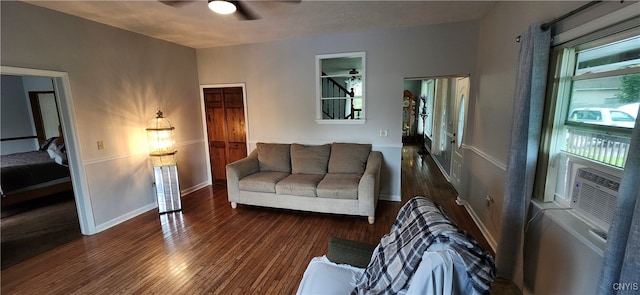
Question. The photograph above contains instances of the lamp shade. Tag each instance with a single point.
(161, 142)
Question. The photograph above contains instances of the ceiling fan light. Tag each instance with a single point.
(221, 6)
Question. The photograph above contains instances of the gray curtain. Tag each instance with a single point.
(525, 141)
(620, 272)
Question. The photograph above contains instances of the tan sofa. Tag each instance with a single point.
(339, 178)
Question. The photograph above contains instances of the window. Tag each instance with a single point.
(605, 78)
(596, 96)
(340, 88)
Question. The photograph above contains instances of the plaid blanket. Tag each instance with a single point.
(419, 224)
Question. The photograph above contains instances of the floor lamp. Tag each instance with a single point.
(165, 170)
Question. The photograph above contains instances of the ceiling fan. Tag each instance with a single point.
(239, 8)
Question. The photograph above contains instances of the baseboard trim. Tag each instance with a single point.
(134, 213)
(483, 229)
(125, 217)
(194, 188)
(440, 167)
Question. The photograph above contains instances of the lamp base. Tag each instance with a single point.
(167, 188)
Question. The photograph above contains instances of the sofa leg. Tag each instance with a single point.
(371, 219)
(234, 205)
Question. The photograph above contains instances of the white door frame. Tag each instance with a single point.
(204, 120)
(62, 88)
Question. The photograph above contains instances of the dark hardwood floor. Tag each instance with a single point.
(211, 248)
(30, 228)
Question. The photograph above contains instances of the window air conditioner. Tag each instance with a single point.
(594, 196)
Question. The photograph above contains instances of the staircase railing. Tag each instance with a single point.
(336, 108)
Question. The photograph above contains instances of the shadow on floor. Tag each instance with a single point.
(36, 226)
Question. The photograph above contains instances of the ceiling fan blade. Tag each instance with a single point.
(176, 3)
(244, 12)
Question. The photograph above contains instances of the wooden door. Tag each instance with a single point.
(226, 129)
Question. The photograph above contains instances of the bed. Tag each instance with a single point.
(29, 175)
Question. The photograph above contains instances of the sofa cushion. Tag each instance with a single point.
(348, 158)
(339, 186)
(261, 181)
(299, 185)
(274, 157)
(310, 159)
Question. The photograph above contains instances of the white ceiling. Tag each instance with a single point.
(194, 25)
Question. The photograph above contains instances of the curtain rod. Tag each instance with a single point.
(550, 24)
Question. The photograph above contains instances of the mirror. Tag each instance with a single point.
(340, 87)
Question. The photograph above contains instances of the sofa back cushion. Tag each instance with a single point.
(310, 159)
(274, 157)
(348, 158)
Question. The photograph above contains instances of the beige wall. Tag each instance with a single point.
(559, 262)
(491, 103)
(118, 80)
(280, 82)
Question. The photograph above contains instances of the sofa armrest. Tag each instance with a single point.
(369, 186)
(239, 169)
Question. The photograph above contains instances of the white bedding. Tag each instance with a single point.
(325, 277)
(440, 272)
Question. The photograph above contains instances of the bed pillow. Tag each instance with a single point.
(45, 145)
(57, 153)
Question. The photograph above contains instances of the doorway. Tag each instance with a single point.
(411, 106)
(225, 117)
(440, 121)
(62, 90)
(38, 212)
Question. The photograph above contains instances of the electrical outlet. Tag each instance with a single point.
(384, 132)
(100, 145)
